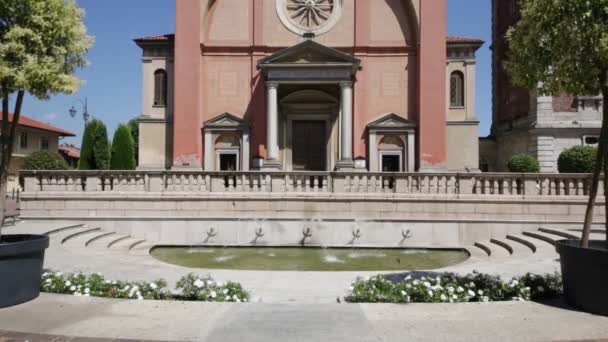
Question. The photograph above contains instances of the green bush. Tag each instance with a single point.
(190, 287)
(452, 288)
(44, 160)
(95, 151)
(578, 159)
(524, 163)
(123, 149)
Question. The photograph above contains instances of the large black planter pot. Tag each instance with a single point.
(21, 261)
(585, 275)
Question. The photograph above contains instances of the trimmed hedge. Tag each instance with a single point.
(123, 149)
(524, 163)
(95, 152)
(578, 159)
(134, 126)
(44, 160)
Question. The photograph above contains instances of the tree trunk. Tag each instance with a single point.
(604, 84)
(3, 185)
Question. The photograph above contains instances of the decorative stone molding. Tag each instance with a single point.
(221, 124)
(309, 16)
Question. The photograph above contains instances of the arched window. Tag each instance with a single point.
(457, 89)
(160, 87)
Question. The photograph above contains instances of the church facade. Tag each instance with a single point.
(309, 85)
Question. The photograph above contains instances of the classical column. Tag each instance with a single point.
(346, 133)
(208, 162)
(246, 151)
(272, 126)
(411, 152)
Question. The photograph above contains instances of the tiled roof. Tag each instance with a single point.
(456, 39)
(70, 150)
(31, 123)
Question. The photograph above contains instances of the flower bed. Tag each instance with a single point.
(190, 288)
(452, 288)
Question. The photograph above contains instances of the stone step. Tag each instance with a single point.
(57, 238)
(564, 234)
(101, 236)
(142, 248)
(117, 240)
(63, 229)
(79, 238)
(493, 250)
(516, 249)
(523, 241)
(545, 237)
(476, 252)
(102, 242)
(125, 245)
(544, 249)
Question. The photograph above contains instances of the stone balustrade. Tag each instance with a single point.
(403, 184)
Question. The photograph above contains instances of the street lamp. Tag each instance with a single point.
(85, 110)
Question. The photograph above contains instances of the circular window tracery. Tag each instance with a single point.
(309, 16)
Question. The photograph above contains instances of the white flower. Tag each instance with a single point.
(72, 288)
(48, 281)
(485, 299)
(408, 286)
(220, 284)
(541, 289)
(87, 295)
(450, 290)
(244, 299)
(427, 284)
(514, 283)
(416, 282)
(77, 294)
(454, 297)
(140, 298)
(403, 293)
(409, 276)
(444, 298)
(460, 289)
(225, 291)
(480, 293)
(238, 300)
(153, 286)
(472, 285)
(200, 284)
(430, 293)
(351, 288)
(235, 297)
(87, 290)
(213, 294)
(471, 294)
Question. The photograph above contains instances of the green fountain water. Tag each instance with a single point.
(309, 259)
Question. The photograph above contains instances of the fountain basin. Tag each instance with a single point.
(309, 258)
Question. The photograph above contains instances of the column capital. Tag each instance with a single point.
(346, 84)
(272, 84)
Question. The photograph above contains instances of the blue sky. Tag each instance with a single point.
(113, 80)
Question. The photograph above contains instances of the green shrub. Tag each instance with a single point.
(123, 149)
(578, 159)
(95, 151)
(190, 287)
(524, 163)
(44, 160)
(452, 288)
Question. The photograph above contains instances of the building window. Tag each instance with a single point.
(44, 144)
(457, 89)
(23, 140)
(591, 140)
(160, 88)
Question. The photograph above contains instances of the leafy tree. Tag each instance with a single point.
(42, 44)
(123, 149)
(44, 160)
(561, 46)
(134, 126)
(524, 163)
(578, 159)
(95, 150)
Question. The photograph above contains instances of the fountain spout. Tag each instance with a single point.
(307, 233)
(211, 233)
(357, 234)
(406, 234)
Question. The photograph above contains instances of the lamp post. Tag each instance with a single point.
(85, 110)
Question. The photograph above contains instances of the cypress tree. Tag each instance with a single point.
(134, 126)
(123, 149)
(95, 150)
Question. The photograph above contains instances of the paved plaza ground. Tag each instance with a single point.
(226, 322)
(286, 306)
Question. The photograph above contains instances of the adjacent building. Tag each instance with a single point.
(32, 136)
(526, 122)
(312, 85)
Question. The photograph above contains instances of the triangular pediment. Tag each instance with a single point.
(225, 120)
(391, 121)
(309, 52)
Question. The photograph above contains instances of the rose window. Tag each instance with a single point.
(309, 16)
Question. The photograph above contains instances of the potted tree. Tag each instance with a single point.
(42, 44)
(558, 47)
